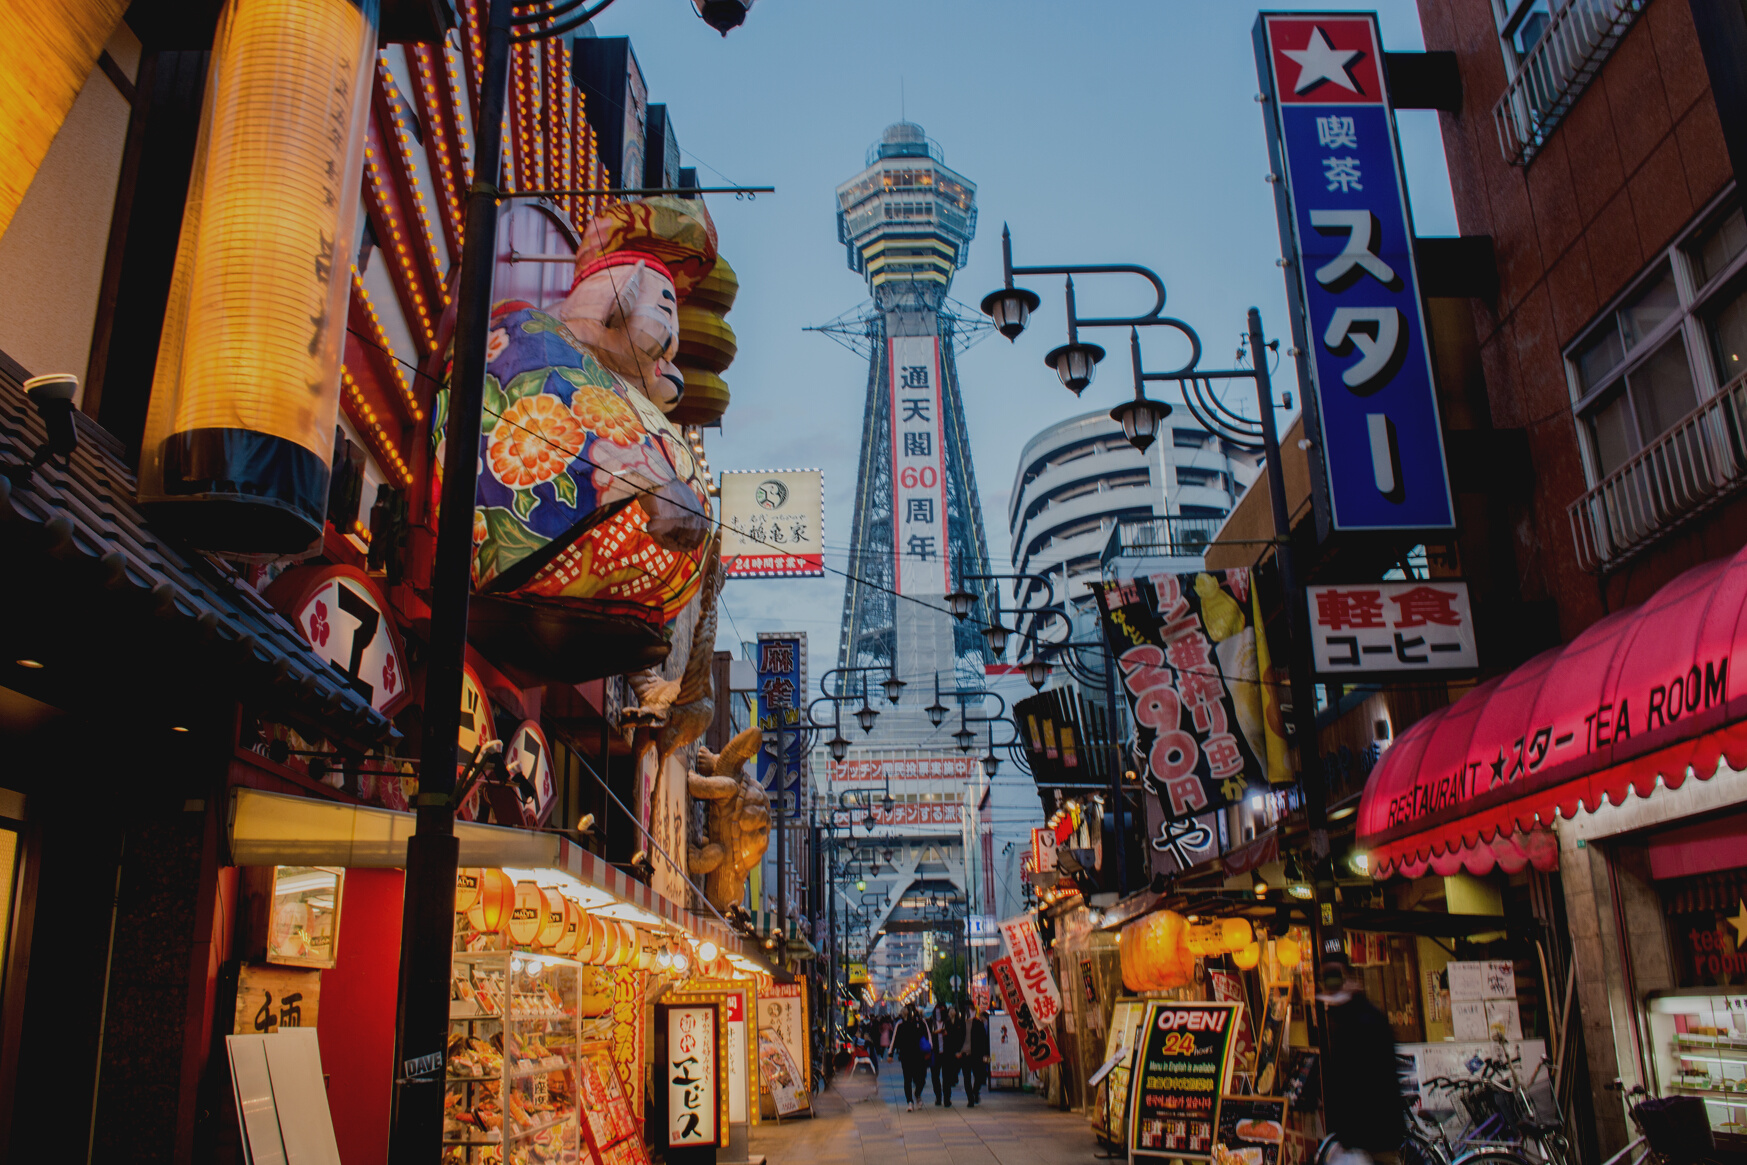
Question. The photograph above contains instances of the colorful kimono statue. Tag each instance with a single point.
(585, 490)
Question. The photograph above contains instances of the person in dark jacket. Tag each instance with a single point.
(951, 1049)
(936, 1034)
(907, 1041)
(976, 1058)
(1361, 1089)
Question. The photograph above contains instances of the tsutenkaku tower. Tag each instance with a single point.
(907, 222)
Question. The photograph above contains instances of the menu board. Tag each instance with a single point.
(1110, 1105)
(1003, 1047)
(1184, 1055)
(611, 1130)
(779, 1075)
(1252, 1130)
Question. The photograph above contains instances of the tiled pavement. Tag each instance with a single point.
(861, 1122)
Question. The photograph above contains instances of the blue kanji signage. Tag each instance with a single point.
(1345, 227)
(782, 700)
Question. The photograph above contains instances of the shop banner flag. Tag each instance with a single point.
(1031, 968)
(1036, 1043)
(1188, 649)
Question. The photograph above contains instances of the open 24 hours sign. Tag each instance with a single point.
(1182, 1063)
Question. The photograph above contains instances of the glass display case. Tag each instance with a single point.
(1699, 1041)
(513, 1065)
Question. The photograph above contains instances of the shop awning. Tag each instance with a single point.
(1647, 696)
(277, 829)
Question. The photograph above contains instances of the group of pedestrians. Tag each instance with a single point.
(938, 1048)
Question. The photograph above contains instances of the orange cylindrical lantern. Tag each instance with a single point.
(497, 897)
(1219, 936)
(529, 914)
(1287, 952)
(606, 941)
(1154, 955)
(625, 953)
(467, 882)
(1247, 957)
(575, 924)
(551, 919)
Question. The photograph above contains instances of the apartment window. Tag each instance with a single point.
(1188, 438)
(1205, 478)
(1521, 24)
(1671, 342)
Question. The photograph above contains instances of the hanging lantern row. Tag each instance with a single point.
(543, 919)
(1159, 950)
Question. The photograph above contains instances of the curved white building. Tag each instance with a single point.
(1082, 495)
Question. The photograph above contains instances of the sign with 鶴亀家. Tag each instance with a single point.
(773, 524)
(1377, 446)
(1391, 627)
(1183, 1056)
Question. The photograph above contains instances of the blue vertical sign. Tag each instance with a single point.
(782, 697)
(1357, 315)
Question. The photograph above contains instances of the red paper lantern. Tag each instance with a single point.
(497, 896)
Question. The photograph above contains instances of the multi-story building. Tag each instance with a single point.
(1084, 499)
(1586, 337)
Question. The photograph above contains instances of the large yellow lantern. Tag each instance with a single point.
(1155, 956)
(1248, 956)
(497, 897)
(1218, 937)
(552, 919)
(240, 431)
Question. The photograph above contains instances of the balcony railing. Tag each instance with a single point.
(1557, 70)
(1160, 538)
(1690, 468)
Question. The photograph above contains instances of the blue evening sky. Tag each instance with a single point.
(1101, 130)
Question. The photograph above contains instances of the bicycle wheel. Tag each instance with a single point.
(1492, 1157)
(1418, 1150)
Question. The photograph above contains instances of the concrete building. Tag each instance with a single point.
(1083, 497)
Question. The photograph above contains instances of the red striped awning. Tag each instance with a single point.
(1647, 696)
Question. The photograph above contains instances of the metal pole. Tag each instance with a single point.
(782, 829)
(428, 911)
(1325, 924)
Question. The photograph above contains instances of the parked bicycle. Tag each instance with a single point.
(1671, 1130)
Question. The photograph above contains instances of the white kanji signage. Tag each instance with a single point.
(1416, 626)
(919, 538)
(1031, 968)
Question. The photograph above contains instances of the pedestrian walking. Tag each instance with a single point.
(937, 1034)
(952, 1047)
(1361, 1092)
(976, 1057)
(910, 1043)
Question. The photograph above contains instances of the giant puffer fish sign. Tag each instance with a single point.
(589, 500)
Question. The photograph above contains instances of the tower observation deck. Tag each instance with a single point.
(906, 223)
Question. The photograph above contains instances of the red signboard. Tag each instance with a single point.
(1036, 1043)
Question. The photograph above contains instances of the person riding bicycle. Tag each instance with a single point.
(1361, 1091)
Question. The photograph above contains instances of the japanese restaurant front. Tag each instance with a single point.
(1602, 785)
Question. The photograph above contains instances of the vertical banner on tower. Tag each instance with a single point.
(1036, 1041)
(1356, 313)
(782, 697)
(918, 467)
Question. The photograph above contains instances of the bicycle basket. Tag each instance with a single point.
(1676, 1126)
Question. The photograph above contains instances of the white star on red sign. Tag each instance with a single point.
(1320, 61)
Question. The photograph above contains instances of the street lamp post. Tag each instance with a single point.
(1010, 307)
(427, 917)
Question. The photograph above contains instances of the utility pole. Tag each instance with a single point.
(428, 910)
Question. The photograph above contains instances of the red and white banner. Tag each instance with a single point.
(950, 768)
(1036, 1040)
(928, 813)
(1031, 968)
(918, 467)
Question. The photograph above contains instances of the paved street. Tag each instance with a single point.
(864, 1123)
